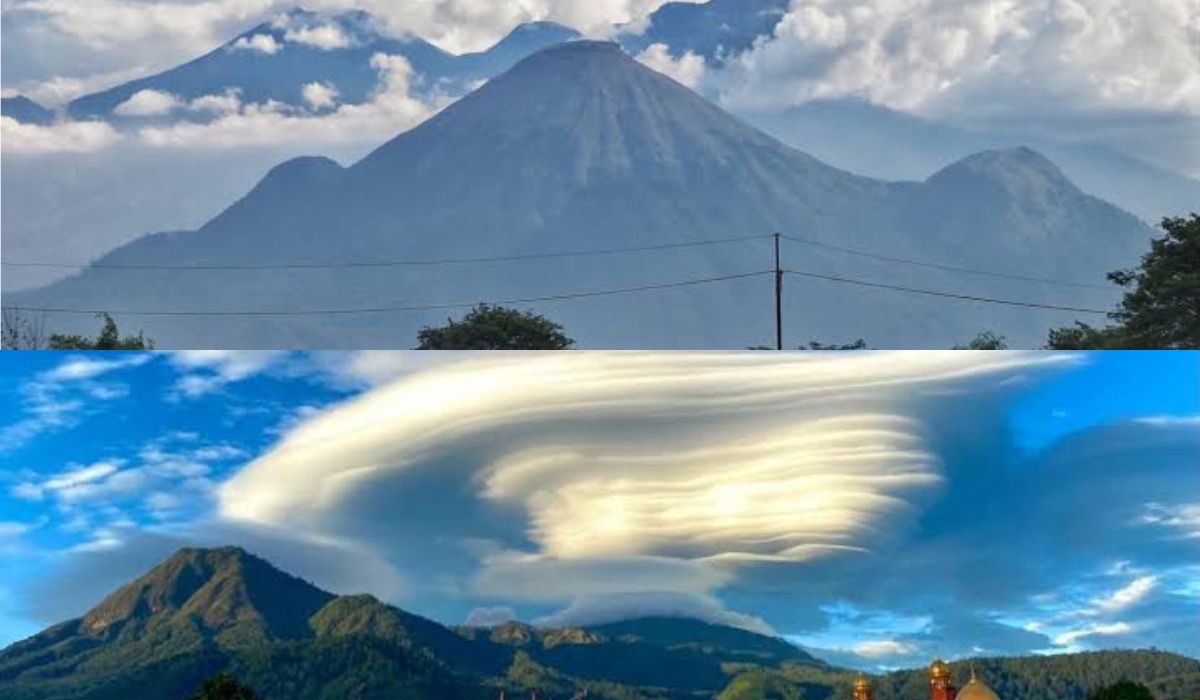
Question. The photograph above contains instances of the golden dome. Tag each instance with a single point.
(939, 669)
(976, 689)
(861, 682)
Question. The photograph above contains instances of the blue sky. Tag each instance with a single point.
(879, 509)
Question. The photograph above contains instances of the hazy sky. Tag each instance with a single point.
(876, 508)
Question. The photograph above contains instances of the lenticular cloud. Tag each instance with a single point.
(720, 459)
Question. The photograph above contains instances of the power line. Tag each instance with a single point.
(948, 268)
(948, 295)
(389, 309)
(395, 263)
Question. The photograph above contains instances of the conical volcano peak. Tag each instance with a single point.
(220, 587)
(575, 56)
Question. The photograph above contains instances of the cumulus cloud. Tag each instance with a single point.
(392, 108)
(326, 37)
(689, 69)
(181, 28)
(61, 137)
(941, 58)
(262, 43)
(56, 91)
(148, 103)
(319, 96)
(228, 102)
(878, 648)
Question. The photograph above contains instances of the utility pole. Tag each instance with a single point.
(778, 298)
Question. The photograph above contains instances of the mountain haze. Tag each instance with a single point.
(580, 147)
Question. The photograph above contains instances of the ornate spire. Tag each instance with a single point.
(862, 688)
(940, 685)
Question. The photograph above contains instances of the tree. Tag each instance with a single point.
(859, 344)
(986, 340)
(23, 330)
(224, 687)
(109, 339)
(1125, 690)
(1161, 310)
(489, 327)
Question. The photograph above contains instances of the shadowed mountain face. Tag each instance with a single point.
(204, 612)
(874, 140)
(713, 29)
(25, 110)
(580, 147)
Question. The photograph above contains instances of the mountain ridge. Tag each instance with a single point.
(357, 646)
(580, 146)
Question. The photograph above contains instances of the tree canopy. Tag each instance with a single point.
(1124, 690)
(109, 339)
(1161, 309)
(986, 340)
(224, 687)
(489, 327)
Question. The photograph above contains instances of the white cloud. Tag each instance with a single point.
(326, 37)
(628, 472)
(57, 91)
(148, 103)
(881, 648)
(490, 617)
(86, 367)
(10, 528)
(206, 371)
(61, 137)
(1171, 421)
(319, 96)
(262, 43)
(390, 110)
(60, 397)
(109, 23)
(689, 69)
(1184, 517)
(82, 476)
(1067, 639)
(228, 102)
(1127, 596)
(979, 58)
(599, 610)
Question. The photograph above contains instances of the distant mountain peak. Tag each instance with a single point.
(1014, 170)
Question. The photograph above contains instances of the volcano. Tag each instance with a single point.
(581, 148)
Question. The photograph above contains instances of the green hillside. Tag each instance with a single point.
(204, 612)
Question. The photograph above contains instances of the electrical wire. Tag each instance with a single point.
(390, 309)
(394, 263)
(948, 295)
(948, 268)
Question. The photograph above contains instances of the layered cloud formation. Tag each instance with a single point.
(581, 475)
